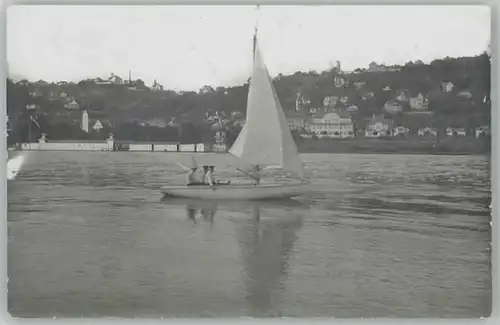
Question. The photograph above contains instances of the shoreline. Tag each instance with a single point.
(405, 146)
(430, 153)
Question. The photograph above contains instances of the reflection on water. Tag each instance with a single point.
(265, 248)
(206, 212)
(265, 251)
(376, 236)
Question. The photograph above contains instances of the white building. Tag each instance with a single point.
(402, 96)
(393, 107)
(301, 102)
(447, 86)
(427, 131)
(97, 126)
(330, 101)
(339, 81)
(465, 94)
(482, 131)
(331, 125)
(85, 122)
(419, 102)
(401, 130)
(378, 126)
(352, 109)
(455, 132)
(72, 105)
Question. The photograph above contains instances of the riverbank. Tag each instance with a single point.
(447, 146)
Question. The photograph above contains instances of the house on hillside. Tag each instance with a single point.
(368, 95)
(72, 105)
(419, 102)
(401, 130)
(455, 132)
(447, 86)
(330, 101)
(464, 94)
(352, 109)
(114, 79)
(374, 67)
(402, 95)
(393, 107)
(482, 131)
(313, 110)
(378, 126)
(157, 86)
(427, 131)
(336, 67)
(331, 124)
(31, 107)
(301, 102)
(204, 89)
(97, 126)
(339, 81)
(296, 121)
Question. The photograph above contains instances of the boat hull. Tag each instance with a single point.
(235, 192)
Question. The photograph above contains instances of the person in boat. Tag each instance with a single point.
(191, 177)
(209, 177)
(255, 174)
(214, 181)
(205, 171)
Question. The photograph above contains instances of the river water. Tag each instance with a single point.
(376, 236)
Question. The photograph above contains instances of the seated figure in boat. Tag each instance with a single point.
(255, 174)
(210, 179)
(191, 177)
(205, 171)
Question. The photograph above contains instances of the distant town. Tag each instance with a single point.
(443, 106)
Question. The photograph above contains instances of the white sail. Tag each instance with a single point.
(265, 139)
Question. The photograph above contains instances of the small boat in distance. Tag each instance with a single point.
(265, 140)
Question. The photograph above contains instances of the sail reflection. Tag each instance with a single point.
(266, 232)
(266, 246)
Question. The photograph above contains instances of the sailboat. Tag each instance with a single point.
(265, 140)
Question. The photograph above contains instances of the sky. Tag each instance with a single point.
(187, 47)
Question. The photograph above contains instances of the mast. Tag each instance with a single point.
(265, 139)
(256, 28)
